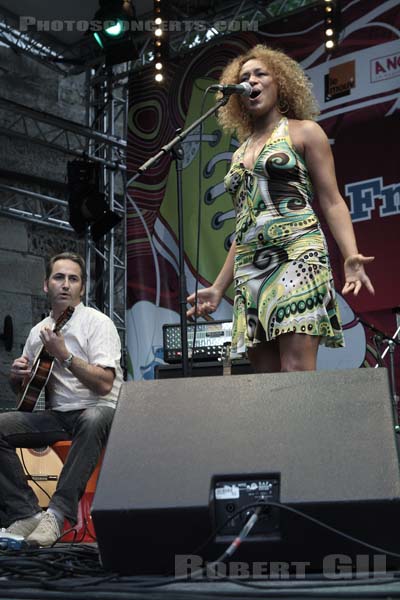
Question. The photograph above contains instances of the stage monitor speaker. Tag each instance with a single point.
(184, 455)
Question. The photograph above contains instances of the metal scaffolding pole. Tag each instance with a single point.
(107, 114)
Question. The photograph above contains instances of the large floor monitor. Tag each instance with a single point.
(184, 455)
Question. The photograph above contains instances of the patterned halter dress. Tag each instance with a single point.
(282, 276)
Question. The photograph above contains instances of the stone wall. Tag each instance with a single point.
(24, 246)
(24, 249)
(31, 84)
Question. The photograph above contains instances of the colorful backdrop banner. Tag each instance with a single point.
(358, 91)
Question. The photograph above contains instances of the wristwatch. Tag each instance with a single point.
(68, 361)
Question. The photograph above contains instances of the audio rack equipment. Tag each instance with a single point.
(211, 337)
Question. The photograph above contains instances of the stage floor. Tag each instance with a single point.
(74, 571)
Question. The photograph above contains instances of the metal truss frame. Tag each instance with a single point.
(103, 139)
(70, 60)
(39, 47)
(59, 134)
(98, 141)
(34, 207)
(251, 14)
(247, 14)
(108, 118)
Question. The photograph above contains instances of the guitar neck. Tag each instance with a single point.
(32, 388)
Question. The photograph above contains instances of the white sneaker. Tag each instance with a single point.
(25, 527)
(47, 532)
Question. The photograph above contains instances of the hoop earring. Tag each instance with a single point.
(283, 106)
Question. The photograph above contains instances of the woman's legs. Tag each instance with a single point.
(298, 352)
(288, 352)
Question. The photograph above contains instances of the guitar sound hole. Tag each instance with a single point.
(39, 451)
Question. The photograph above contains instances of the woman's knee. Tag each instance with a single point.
(298, 352)
(298, 361)
(289, 365)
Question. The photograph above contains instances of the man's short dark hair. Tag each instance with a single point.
(76, 258)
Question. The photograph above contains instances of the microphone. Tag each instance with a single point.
(243, 89)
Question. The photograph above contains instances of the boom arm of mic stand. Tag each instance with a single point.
(178, 138)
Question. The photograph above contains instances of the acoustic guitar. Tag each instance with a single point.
(42, 468)
(41, 370)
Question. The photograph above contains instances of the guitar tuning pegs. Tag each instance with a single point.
(8, 333)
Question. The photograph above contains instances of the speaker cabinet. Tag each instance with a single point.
(184, 453)
(203, 369)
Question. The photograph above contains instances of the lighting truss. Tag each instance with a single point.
(34, 207)
(254, 13)
(48, 52)
(68, 137)
(107, 104)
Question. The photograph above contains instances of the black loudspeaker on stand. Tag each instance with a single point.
(185, 454)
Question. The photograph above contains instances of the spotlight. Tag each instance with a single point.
(112, 32)
(159, 77)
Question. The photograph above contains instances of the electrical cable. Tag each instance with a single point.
(246, 529)
(199, 213)
(48, 567)
(324, 525)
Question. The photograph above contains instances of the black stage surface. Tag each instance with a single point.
(73, 571)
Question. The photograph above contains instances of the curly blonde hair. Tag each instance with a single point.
(294, 90)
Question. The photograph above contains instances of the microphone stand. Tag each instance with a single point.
(174, 147)
(380, 337)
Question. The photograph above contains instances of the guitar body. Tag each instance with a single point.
(41, 370)
(36, 382)
(42, 468)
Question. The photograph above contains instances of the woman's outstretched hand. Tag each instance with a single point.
(208, 300)
(355, 274)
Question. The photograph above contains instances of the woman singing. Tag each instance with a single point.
(284, 304)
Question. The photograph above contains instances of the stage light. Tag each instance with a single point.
(115, 29)
(160, 42)
(332, 23)
(98, 40)
(112, 32)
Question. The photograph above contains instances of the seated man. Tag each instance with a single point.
(81, 396)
